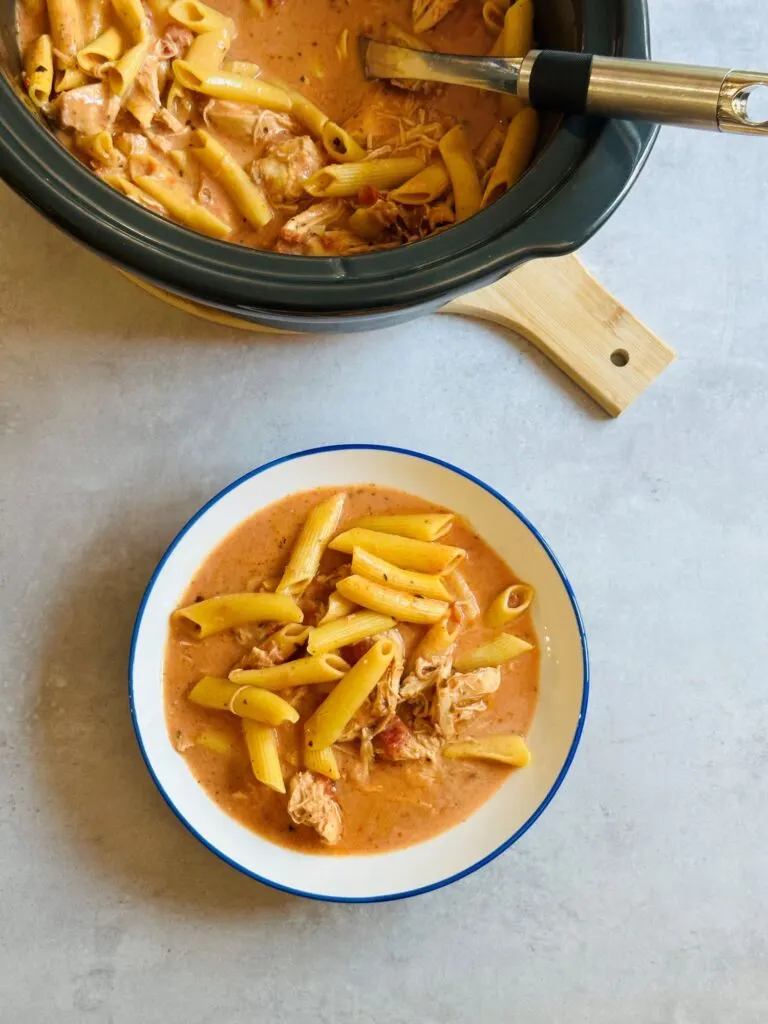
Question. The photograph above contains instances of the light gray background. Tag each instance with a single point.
(640, 896)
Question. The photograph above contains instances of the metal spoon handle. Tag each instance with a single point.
(679, 94)
(582, 83)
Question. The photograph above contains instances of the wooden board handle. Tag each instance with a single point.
(558, 306)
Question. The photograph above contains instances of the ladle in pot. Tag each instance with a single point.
(717, 99)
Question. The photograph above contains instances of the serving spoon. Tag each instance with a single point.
(717, 99)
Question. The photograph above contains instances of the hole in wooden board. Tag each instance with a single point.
(620, 357)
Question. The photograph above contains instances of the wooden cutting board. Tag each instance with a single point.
(562, 310)
(558, 306)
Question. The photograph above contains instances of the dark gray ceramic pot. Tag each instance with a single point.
(580, 176)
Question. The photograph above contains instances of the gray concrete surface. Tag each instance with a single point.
(640, 897)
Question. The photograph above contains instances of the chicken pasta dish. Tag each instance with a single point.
(352, 671)
(251, 121)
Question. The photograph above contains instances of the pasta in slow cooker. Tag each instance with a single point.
(251, 121)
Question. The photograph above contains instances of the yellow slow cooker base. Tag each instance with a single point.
(197, 309)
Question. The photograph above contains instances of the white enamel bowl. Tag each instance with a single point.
(553, 738)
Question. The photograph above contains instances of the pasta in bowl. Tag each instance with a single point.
(316, 707)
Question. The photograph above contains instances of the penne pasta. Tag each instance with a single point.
(103, 50)
(319, 527)
(69, 78)
(324, 668)
(511, 750)
(38, 71)
(243, 701)
(322, 762)
(178, 101)
(439, 638)
(261, 742)
(515, 38)
(184, 208)
(347, 179)
(218, 613)
(199, 17)
(427, 185)
(121, 75)
(515, 156)
(455, 151)
(66, 27)
(239, 186)
(132, 16)
(342, 44)
(417, 525)
(366, 224)
(338, 607)
(399, 604)
(516, 41)
(202, 59)
(493, 14)
(288, 639)
(127, 187)
(405, 552)
(339, 144)
(509, 605)
(466, 603)
(347, 630)
(376, 569)
(307, 112)
(239, 89)
(345, 700)
(143, 108)
(100, 148)
(503, 648)
(216, 741)
(95, 15)
(487, 153)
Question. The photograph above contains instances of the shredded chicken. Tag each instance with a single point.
(398, 223)
(312, 221)
(266, 653)
(286, 167)
(313, 802)
(169, 121)
(89, 109)
(330, 579)
(336, 242)
(149, 77)
(175, 40)
(231, 118)
(367, 753)
(399, 743)
(462, 696)
(270, 127)
(427, 13)
(426, 674)
(379, 708)
(132, 143)
(253, 634)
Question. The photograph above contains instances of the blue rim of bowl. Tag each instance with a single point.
(499, 849)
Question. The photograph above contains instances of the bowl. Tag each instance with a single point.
(497, 824)
(579, 177)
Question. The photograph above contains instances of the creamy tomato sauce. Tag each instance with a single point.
(308, 45)
(401, 803)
